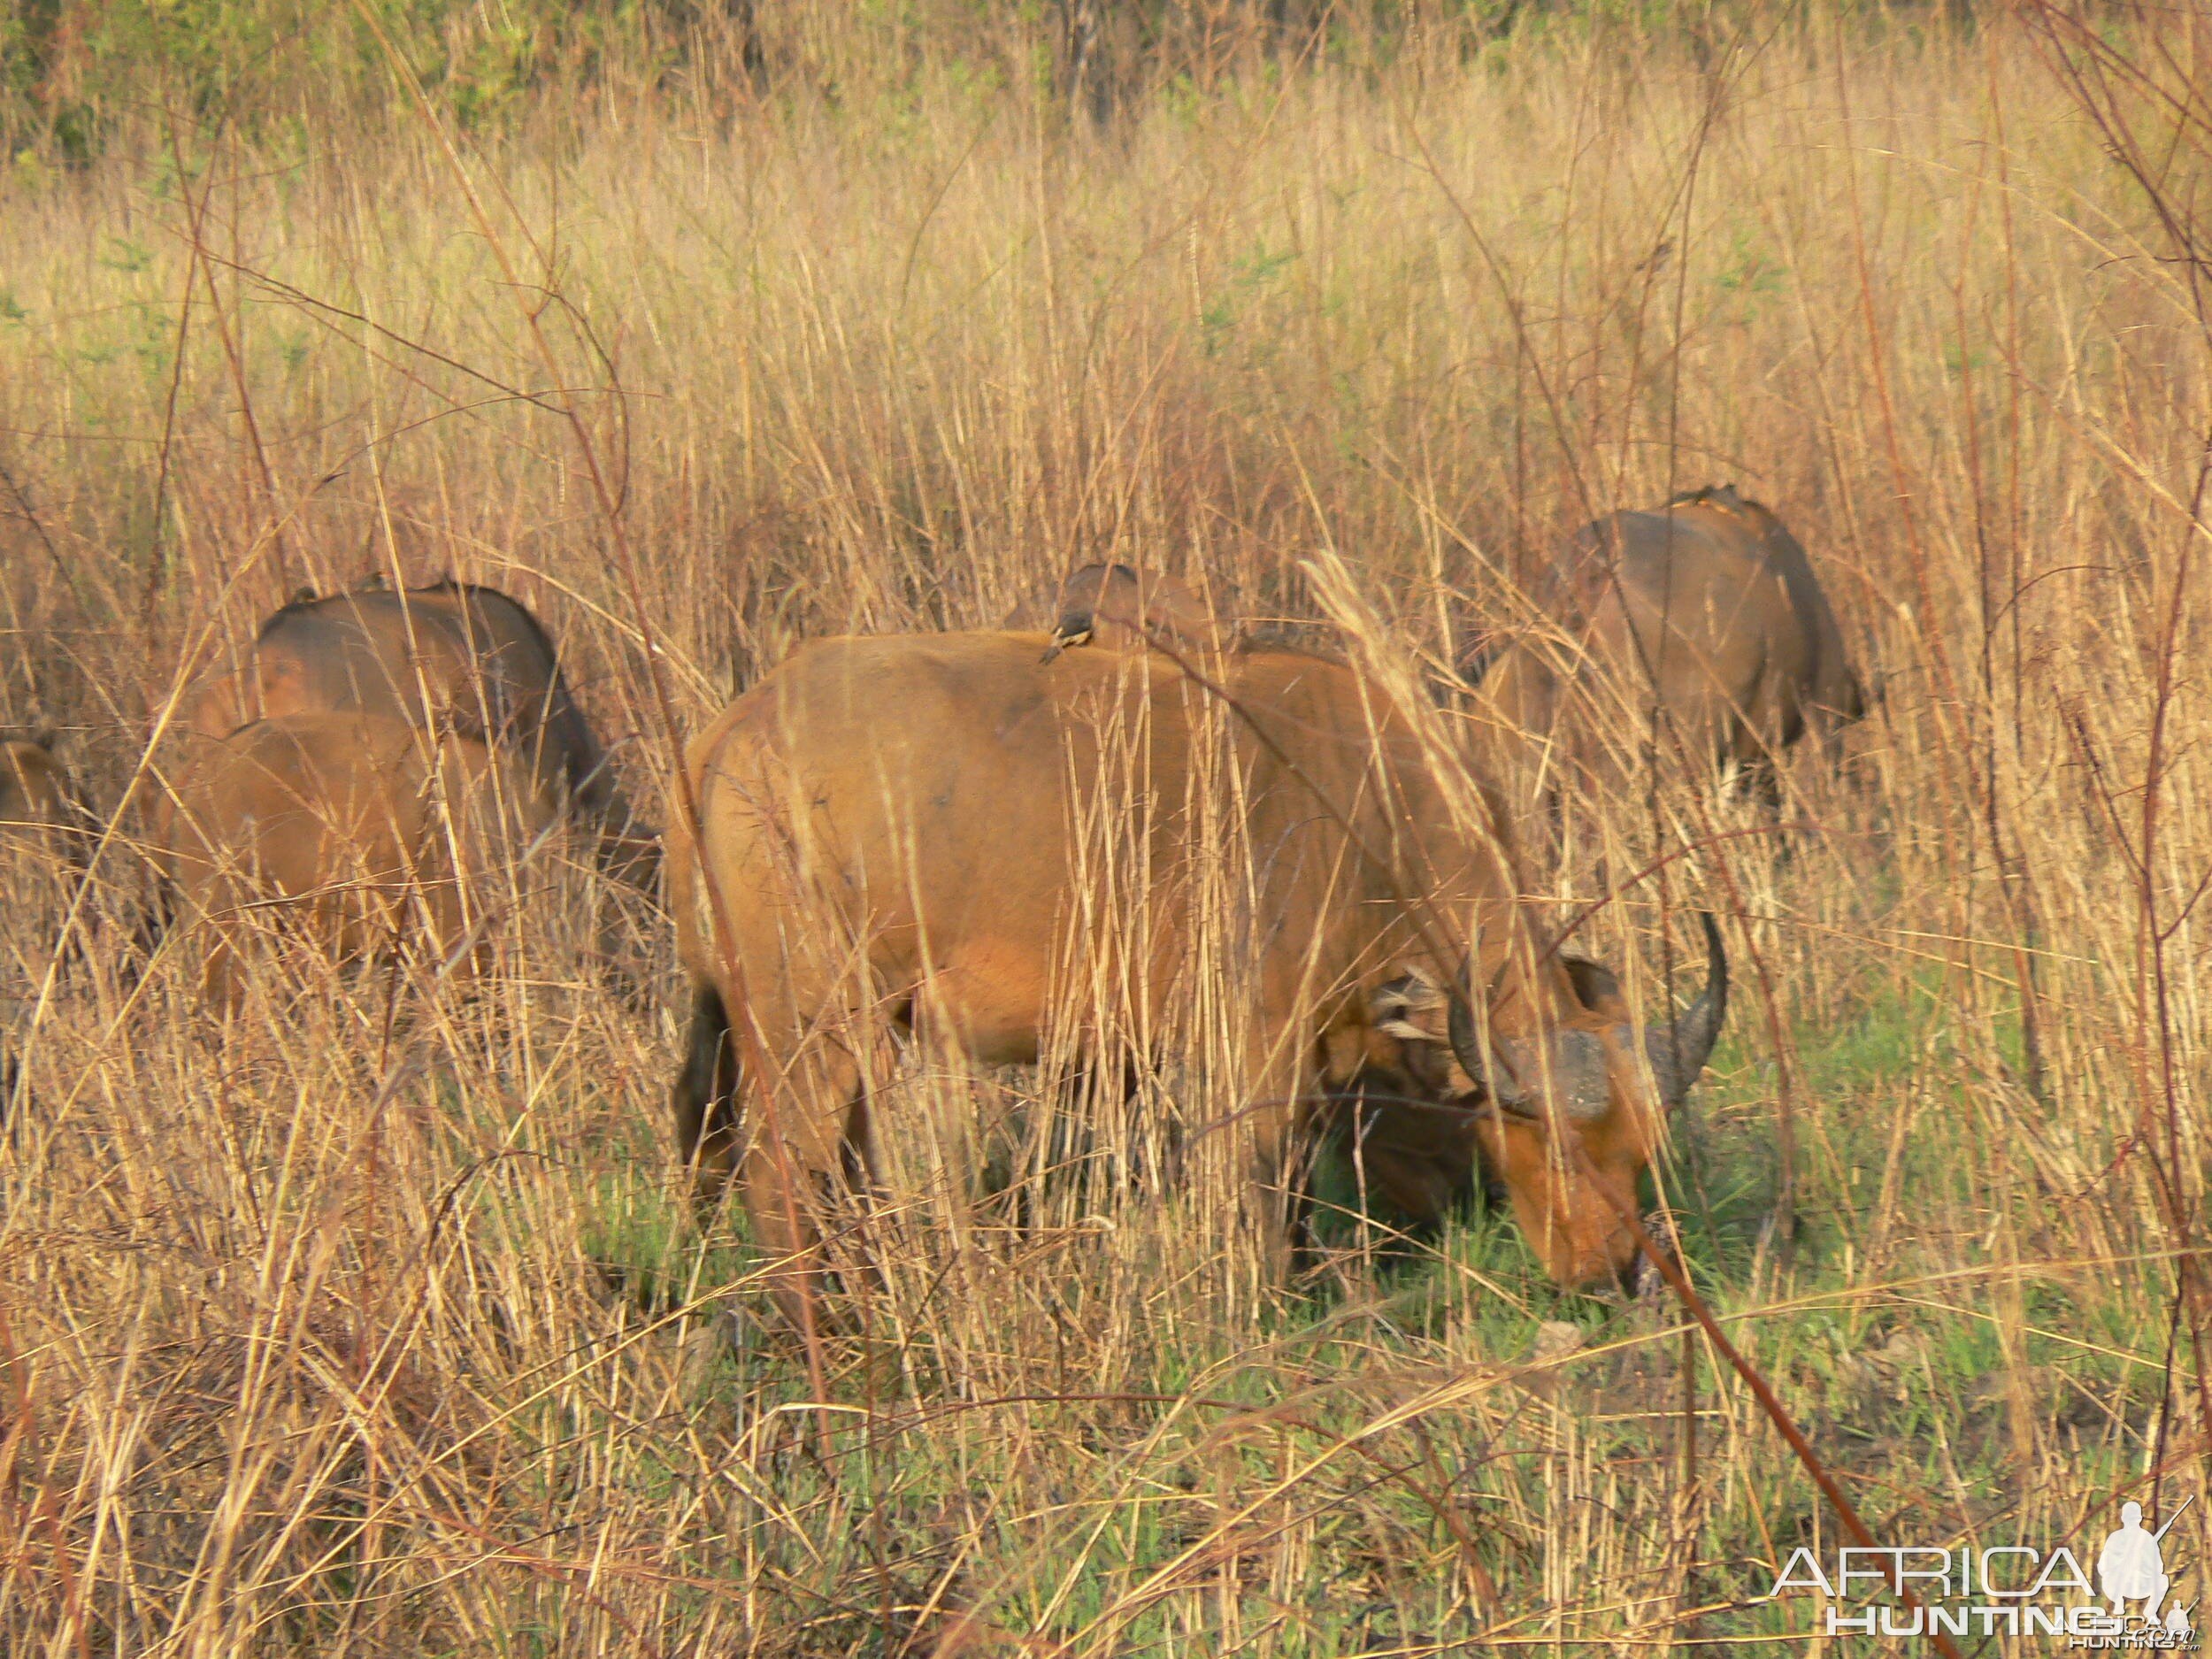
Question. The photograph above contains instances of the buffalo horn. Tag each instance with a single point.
(1679, 1051)
(1467, 1047)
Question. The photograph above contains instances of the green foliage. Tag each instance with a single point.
(74, 76)
(1750, 273)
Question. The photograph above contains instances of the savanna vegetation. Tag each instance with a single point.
(374, 1320)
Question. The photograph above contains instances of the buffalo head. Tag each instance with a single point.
(1567, 1120)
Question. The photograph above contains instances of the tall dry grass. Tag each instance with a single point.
(373, 1323)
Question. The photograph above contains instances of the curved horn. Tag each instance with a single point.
(1467, 1047)
(1679, 1051)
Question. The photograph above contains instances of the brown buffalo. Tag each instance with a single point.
(450, 656)
(891, 837)
(1707, 608)
(347, 832)
(1123, 609)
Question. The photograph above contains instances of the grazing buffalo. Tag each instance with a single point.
(1123, 609)
(1707, 608)
(892, 833)
(344, 831)
(450, 656)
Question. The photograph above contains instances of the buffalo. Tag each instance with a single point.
(431, 657)
(1706, 610)
(344, 832)
(1122, 609)
(890, 838)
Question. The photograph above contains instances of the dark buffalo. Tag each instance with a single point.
(451, 656)
(1708, 609)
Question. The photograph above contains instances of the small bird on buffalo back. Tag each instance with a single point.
(1122, 608)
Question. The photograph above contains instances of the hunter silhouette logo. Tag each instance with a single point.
(2007, 1590)
(2132, 1567)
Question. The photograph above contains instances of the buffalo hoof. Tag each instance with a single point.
(1641, 1278)
(1641, 1281)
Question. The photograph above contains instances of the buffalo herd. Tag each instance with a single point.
(939, 838)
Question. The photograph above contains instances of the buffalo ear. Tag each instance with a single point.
(1594, 987)
(1398, 1000)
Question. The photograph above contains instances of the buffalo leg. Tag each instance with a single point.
(1762, 784)
(1302, 1246)
(1278, 1193)
(1266, 1141)
(705, 1097)
(808, 1150)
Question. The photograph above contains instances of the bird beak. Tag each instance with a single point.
(1060, 641)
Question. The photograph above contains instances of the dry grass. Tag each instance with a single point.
(373, 1324)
